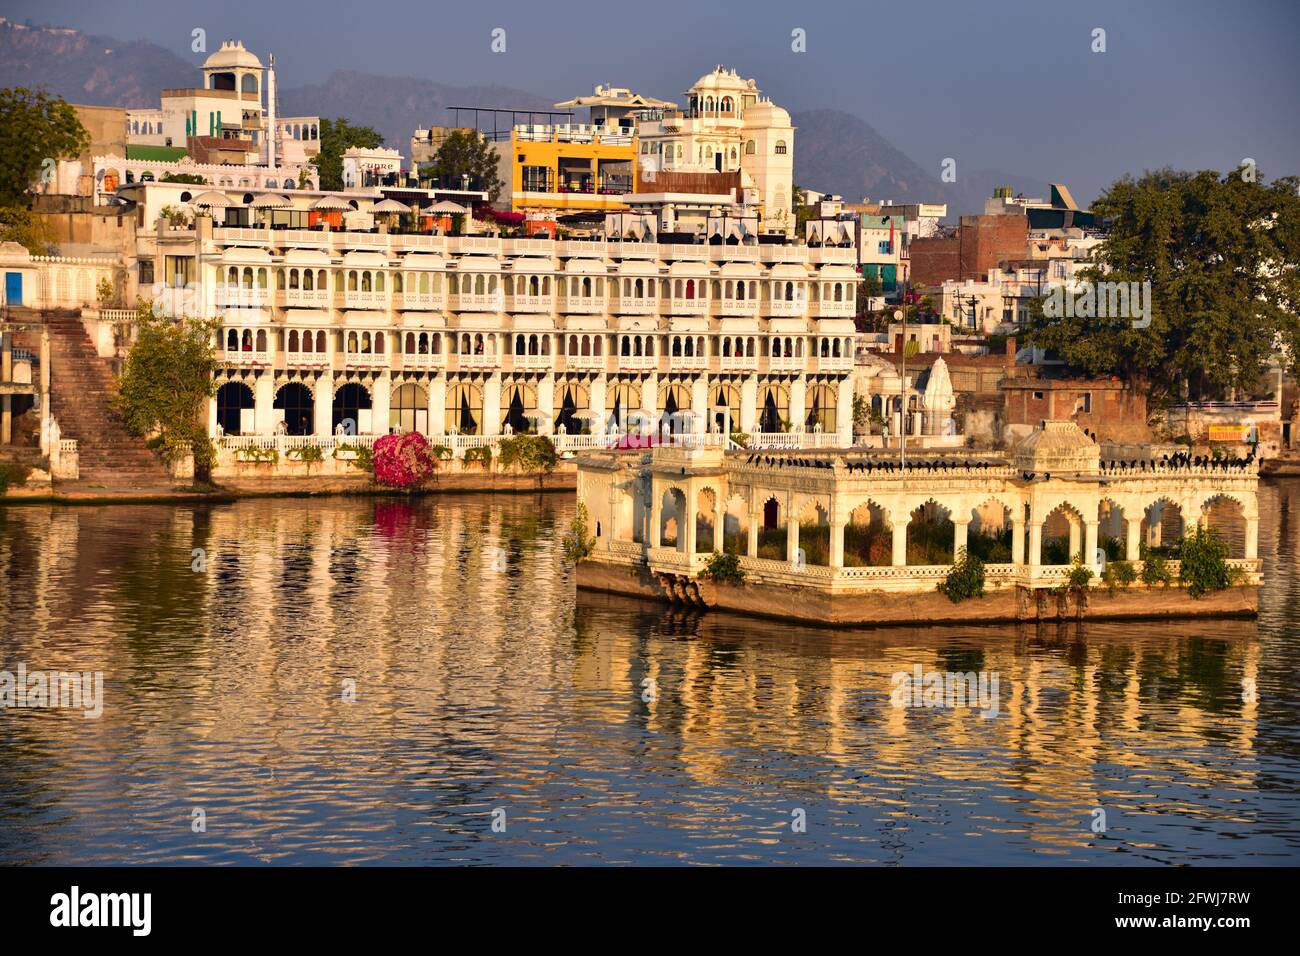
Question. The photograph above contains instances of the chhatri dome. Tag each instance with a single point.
(233, 54)
(767, 114)
(722, 79)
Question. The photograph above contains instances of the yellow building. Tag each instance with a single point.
(576, 167)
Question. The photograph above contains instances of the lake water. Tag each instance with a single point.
(376, 681)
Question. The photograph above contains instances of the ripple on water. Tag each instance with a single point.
(485, 689)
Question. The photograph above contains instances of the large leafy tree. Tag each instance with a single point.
(336, 136)
(1222, 254)
(165, 386)
(465, 153)
(34, 127)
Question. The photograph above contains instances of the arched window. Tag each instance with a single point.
(780, 147)
(750, 148)
(409, 410)
(232, 399)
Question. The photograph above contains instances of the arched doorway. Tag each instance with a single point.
(572, 402)
(464, 409)
(349, 402)
(232, 399)
(520, 400)
(676, 404)
(776, 409)
(409, 410)
(298, 407)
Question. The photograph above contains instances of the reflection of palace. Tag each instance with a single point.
(721, 694)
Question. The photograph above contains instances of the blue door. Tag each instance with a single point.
(14, 288)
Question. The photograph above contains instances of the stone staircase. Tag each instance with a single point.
(111, 458)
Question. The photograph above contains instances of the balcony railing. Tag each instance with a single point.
(310, 298)
(537, 362)
(353, 299)
(834, 310)
(478, 302)
(420, 360)
(786, 307)
(680, 306)
(583, 304)
(483, 360)
(420, 300)
(365, 359)
(307, 359)
(531, 303)
(746, 308)
(645, 306)
(838, 363)
(638, 362)
(246, 357)
(785, 363)
(738, 363)
(585, 363)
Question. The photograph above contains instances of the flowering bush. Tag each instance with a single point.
(404, 461)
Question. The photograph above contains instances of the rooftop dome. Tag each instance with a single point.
(724, 79)
(232, 54)
(767, 114)
(1060, 447)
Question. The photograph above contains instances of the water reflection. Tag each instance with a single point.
(608, 730)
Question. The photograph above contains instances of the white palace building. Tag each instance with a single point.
(326, 331)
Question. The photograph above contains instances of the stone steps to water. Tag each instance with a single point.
(81, 386)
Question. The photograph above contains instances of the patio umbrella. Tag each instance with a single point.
(271, 201)
(268, 201)
(391, 208)
(212, 200)
(447, 208)
(331, 204)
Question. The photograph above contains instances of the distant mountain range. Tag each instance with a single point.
(835, 152)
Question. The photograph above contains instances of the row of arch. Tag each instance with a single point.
(929, 536)
(629, 345)
(519, 404)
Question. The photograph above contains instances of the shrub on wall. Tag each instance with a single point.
(965, 580)
(404, 462)
(1204, 568)
(723, 568)
(578, 543)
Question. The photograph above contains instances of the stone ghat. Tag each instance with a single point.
(884, 608)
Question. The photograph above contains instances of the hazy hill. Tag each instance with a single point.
(834, 151)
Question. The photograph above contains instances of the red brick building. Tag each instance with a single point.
(979, 244)
(1106, 408)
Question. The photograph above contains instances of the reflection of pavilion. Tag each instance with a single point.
(859, 524)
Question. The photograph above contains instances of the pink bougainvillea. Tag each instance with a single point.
(403, 461)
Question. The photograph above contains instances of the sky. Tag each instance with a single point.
(1012, 86)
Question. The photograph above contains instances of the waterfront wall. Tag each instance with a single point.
(813, 606)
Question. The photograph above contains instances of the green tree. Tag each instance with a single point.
(533, 454)
(336, 136)
(1203, 562)
(31, 231)
(465, 153)
(35, 126)
(193, 179)
(166, 384)
(1220, 252)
